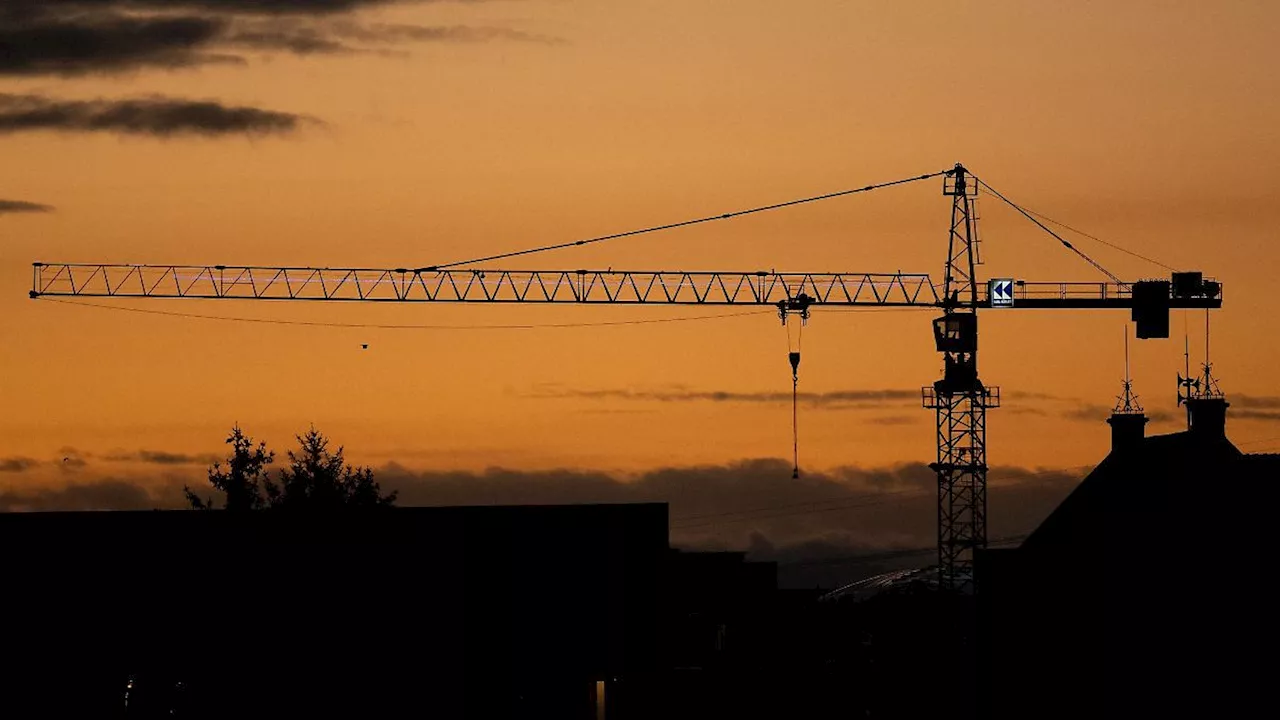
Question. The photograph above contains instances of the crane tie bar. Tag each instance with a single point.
(686, 223)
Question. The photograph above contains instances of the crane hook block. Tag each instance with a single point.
(795, 362)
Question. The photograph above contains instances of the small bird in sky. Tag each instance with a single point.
(364, 346)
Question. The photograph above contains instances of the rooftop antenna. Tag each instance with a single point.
(1209, 387)
(1127, 403)
(1203, 387)
(1190, 384)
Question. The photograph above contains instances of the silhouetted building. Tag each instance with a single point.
(434, 612)
(1140, 595)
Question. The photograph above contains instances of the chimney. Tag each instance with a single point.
(1208, 416)
(1127, 430)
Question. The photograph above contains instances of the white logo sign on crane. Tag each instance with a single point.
(1001, 293)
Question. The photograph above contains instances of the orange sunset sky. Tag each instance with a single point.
(506, 124)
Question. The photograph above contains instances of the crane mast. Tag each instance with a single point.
(959, 399)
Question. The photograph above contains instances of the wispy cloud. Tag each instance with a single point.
(841, 399)
(20, 206)
(895, 419)
(17, 464)
(1266, 415)
(1257, 402)
(160, 457)
(155, 116)
(304, 37)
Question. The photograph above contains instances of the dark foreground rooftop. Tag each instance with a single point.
(450, 612)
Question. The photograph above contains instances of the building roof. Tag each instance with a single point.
(1187, 489)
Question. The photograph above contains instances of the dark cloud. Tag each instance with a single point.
(112, 36)
(849, 509)
(17, 464)
(154, 116)
(247, 7)
(109, 494)
(103, 43)
(159, 457)
(19, 206)
(303, 37)
(853, 507)
(296, 38)
(848, 521)
(834, 399)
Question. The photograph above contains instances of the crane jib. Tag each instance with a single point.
(568, 286)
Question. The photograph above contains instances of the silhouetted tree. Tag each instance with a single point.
(319, 479)
(315, 478)
(243, 480)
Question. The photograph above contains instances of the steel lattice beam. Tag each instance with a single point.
(493, 286)
(559, 286)
(961, 468)
(960, 400)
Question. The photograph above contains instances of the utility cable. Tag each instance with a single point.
(1056, 236)
(370, 326)
(683, 223)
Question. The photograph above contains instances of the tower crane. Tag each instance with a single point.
(959, 399)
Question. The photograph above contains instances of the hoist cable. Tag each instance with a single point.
(686, 223)
(794, 358)
(795, 428)
(1056, 236)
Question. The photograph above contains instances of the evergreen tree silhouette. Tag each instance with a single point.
(320, 479)
(315, 479)
(244, 478)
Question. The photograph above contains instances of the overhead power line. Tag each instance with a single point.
(685, 223)
(375, 326)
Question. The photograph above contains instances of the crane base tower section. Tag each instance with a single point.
(962, 477)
